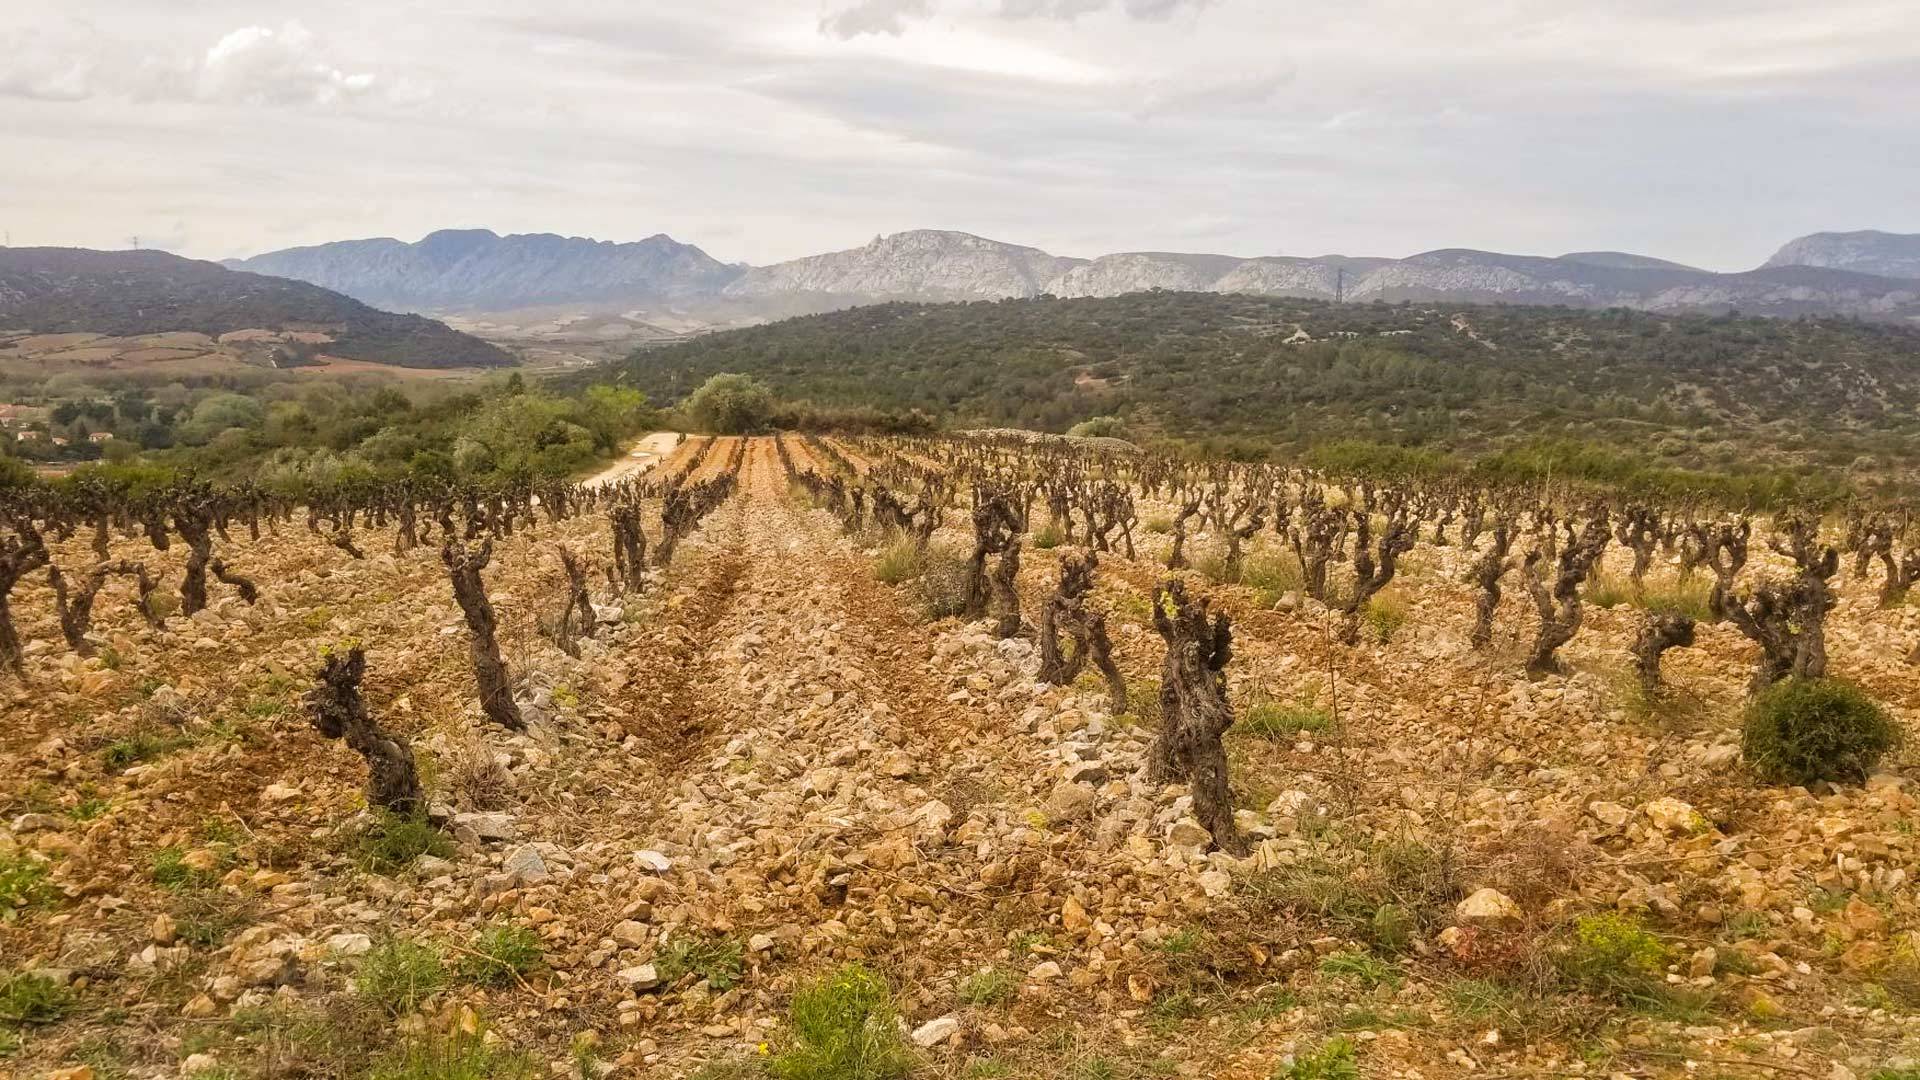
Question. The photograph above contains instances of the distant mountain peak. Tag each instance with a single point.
(1865, 251)
(478, 269)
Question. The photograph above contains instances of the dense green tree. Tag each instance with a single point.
(728, 404)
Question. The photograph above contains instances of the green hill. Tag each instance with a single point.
(126, 293)
(1696, 390)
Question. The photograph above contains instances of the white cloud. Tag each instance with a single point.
(875, 17)
(251, 65)
(256, 65)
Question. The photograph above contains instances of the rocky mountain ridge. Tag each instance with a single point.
(1868, 251)
(477, 270)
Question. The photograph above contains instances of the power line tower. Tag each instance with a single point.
(135, 241)
(1339, 284)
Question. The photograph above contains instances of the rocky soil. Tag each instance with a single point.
(771, 764)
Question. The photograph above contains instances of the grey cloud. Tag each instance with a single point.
(875, 17)
(892, 16)
(1196, 92)
(1151, 10)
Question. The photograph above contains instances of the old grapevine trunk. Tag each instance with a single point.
(464, 563)
(1195, 714)
(337, 711)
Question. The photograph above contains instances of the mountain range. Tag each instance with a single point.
(1867, 274)
(130, 293)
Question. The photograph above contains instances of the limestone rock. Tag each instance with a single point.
(1488, 906)
(934, 1032)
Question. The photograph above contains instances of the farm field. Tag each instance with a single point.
(795, 760)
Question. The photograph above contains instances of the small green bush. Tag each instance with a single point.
(29, 998)
(988, 986)
(391, 842)
(500, 954)
(398, 975)
(1333, 1060)
(941, 587)
(1280, 723)
(460, 1056)
(1048, 537)
(23, 884)
(1159, 524)
(844, 1029)
(1100, 427)
(1614, 956)
(1802, 730)
(720, 961)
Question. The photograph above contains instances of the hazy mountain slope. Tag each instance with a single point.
(477, 270)
(1868, 251)
(1139, 271)
(124, 293)
(922, 264)
(1625, 260)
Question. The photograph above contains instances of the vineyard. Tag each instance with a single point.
(974, 756)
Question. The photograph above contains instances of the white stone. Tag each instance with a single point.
(1609, 813)
(934, 1032)
(640, 976)
(1669, 814)
(1487, 906)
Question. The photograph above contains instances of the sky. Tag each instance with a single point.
(1706, 131)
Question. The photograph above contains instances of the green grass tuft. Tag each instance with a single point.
(23, 884)
(460, 1056)
(397, 975)
(142, 747)
(391, 842)
(900, 561)
(27, 998)
(844, 1029)
(989, 986)
(501, 954)
(1280, 723)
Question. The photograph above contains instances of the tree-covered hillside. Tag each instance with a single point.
(127, 293)
(1694, 390)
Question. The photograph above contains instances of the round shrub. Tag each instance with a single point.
(1802, 730)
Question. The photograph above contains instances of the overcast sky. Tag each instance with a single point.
(1708, 131)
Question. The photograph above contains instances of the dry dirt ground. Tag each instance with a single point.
(771, 764)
